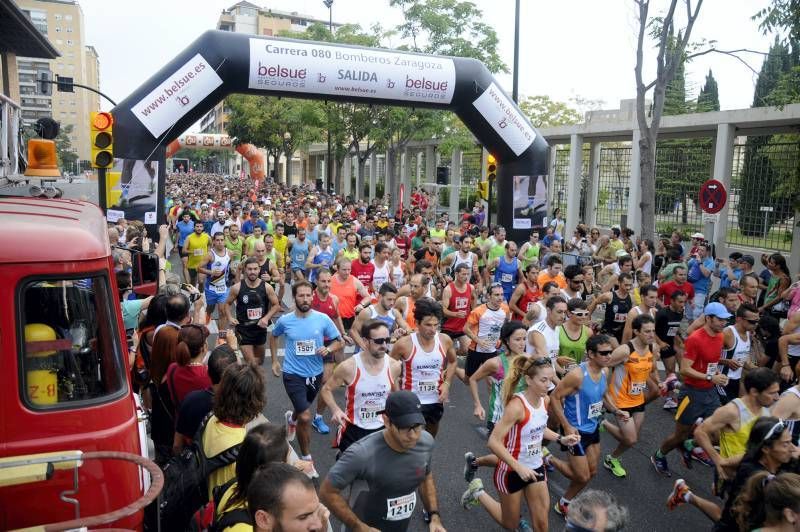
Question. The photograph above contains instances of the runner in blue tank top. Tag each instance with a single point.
(298, 253)
(321, 257)
(506, 270)
(577, 403)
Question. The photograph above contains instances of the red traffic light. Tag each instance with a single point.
(102, 120)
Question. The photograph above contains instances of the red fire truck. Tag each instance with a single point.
(72, 439)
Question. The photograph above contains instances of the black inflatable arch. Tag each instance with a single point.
(220, 63)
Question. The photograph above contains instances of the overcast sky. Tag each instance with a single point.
(568, 48)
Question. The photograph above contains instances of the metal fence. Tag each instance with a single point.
(613, 184)
(561, 178)
(761, 211)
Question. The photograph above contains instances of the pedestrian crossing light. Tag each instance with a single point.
(102, 138)
(491, 167)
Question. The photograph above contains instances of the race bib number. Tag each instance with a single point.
(305, 348)
(620, 318)
(637, 388)
(401, 508)
(219, 288)
(198, 252)
(254, 313)
(596, 410)
(427, 386)
(530, 306)
(553, 356)
(534, 449)
(712, 369)
(369, 413)
(672, 331)
(506, 278)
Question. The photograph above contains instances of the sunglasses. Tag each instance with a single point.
(582, 314)
(752, 322)
(381, 341)
(605, 353)
(777, 428)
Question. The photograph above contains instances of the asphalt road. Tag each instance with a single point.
(643, 491)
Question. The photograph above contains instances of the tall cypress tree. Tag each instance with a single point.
(757, 173)
(708, 99)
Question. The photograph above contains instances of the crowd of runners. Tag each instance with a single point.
(576, 337)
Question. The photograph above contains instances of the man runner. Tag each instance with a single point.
(256, 304)
(305, 331)
(215, 268)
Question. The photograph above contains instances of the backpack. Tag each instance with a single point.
(229, 518)
(186, 481)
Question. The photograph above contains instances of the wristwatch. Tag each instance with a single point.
(428, 516)
(708, 377)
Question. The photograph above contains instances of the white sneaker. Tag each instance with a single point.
(291, 426)
(670, 404)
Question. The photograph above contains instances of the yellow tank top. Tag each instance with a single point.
(734, 442)
(198, 248)
(629, 379)
(350, 255)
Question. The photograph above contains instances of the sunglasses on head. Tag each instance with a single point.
(776, 429)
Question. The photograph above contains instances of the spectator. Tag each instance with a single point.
(596, 511)
(701, 266)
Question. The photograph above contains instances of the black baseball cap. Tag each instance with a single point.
(403, 409)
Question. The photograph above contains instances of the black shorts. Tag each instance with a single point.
(433, 413)
(301, 390)
(454, 335)
(511, 482)
(729, 392)
(694, 403)
(182, 253)
(667, 352)
(475, 359)
(633, 409)
(587, 439)
(348, 323)
(251, 335)
(192, 275)
(350, 435)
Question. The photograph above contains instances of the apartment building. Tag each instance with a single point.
(61, 21)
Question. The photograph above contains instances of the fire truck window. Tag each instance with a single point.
(70, 349)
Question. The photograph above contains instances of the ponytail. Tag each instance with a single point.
(191, 343)
(515, 373)
(763, 498)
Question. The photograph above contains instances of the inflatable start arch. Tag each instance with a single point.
(207, 141)
(220, 63)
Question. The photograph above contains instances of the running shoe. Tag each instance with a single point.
(686, 457)
(546, 455)
(524, 526)
(561, 509)
(319, 425)
(678, 494)
(614, 465)
(661, 465)
(699, 454)
(470, 497)
(291, 426)
(670, 404)
(470, 467)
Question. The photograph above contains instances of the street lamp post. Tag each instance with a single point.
(328, 166)
(515, 91)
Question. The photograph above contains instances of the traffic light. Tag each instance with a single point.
(491, 167)
(483, 190)
(102, 138)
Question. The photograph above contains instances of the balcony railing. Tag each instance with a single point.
(10, 112)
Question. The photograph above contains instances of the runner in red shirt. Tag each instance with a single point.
(678, 282)
(362, 268)
(701, 374)
(526, 294)
(457, 303)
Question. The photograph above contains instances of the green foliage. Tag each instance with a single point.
(758, 172)
(449, 27)
(782, 16)
(542, 111)
(66, 157)
(708, 99)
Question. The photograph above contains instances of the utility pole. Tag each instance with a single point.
(328, 166)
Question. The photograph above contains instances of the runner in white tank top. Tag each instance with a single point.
(524, 441)
(423, 372)
(381, 275)
(365, 397)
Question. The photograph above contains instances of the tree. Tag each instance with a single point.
(783, 16)
(668, 59)
(758, 172)
(543, 111)
(67, 158)
(708, 99)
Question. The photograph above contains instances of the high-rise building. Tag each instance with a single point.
(248, 18)
(62, 22)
